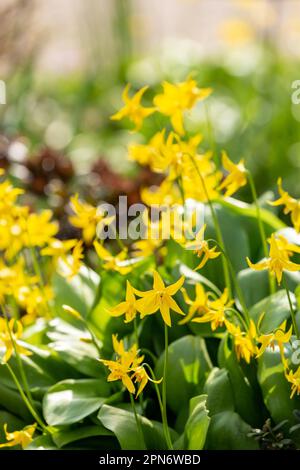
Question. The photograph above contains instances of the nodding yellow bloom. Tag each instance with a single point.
(216, 313)
(58, 249)
(39, 229)
(140, 376)
(69, 266)
(294, 379)
(9, 338)
(177, 98)
(128, 307)
(237, 177)
(279, 336)
(118, 263)
(244, 342)
(201, 248)
(88, 218)
(198, 306)
(160, 298)
(292, 206)
(133, 108)
(22, 438)
(34, 301)
(279, 257)
(151, 153)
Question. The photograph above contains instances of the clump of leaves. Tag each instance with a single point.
(272, 438)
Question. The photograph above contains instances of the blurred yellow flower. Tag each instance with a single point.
(244, 342)
(237, 177)
(279, 336)
(159, 298)
(198, 306)
(133, 108)
(216, 312)
(128, 307)
(118, 263)
(292, 206)
(69, 266)
(88, 218)
(201, 248)
(294, 379)
(176, 98)
(10, 334)
(279, 258)
(22, 438)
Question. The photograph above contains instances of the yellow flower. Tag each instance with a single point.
(176, 98)
(9, 338)
(128, 307)
(197, 306)
(117, 263)
(201, 248)
(34, 301)
(279, 336)
(151, 153)
(140, 375)
(69, 266)
(133, 108)
(294, 379)
(279, 258)
(216, 311)
(292, 206)
(88, 218)
(125, 363)
(22, 438)
(159, 298)
(58, 248)
(237, 177)
(38, 229)
(244, 342)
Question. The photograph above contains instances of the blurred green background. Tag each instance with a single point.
(65, 63)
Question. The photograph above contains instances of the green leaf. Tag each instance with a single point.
(219, 392)
(227, 431)
(188, 367)
(70, 401)
(122, 423)
(80, 292)
(12, 401)
(246, 397)
(197, 424)
(275, 388)
(67, 435)
(42, 443)
(275, 308)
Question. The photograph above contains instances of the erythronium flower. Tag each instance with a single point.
(58, 248)
(292, 206)
(22, 438)
(198, 306)
(10, 333)
(201, 248)
(294, 379)
(133, 108)
(127, 367)
(237, 177)
(279, 258)
(160, 298)
(118, 263)
(69, 266)
(216, 311)
(177, 98)
(244, 342)
(88, 218)
(128, 307)
(279, 336)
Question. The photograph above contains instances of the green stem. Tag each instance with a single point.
(26, 401)
(138, 424)
(217, 228)
(296, 329)
(261, 228)
(164, 393)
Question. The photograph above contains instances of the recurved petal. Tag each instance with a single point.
(173, 288)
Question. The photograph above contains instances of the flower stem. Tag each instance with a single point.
(296, 329)
(164, 393)
(26, 401)
(261, 228)
(138, 424)
(217, 228)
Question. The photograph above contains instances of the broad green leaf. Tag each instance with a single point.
(70, 401)
(188, 367)
(122, 423)
(42, 443)
(12, 401)
(275, 388)
(80, 292)
(219, 392)
(227, 431)
(247, 401)
(275, 308)
(65, 436)
(197, 424)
